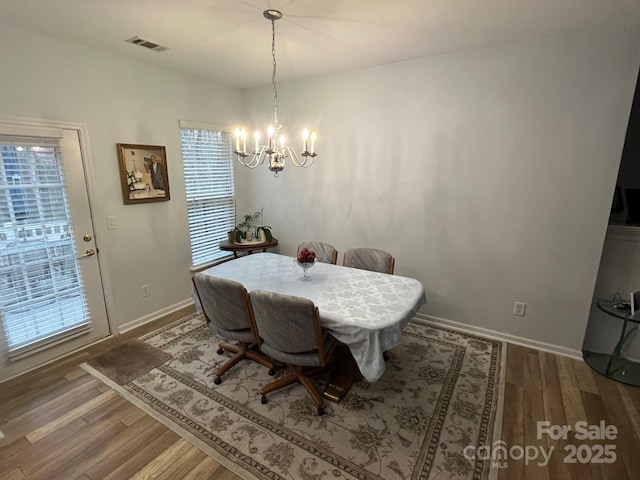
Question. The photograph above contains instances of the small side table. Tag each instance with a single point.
(227, 246)
(615, 365)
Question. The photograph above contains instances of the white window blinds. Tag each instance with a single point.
(208, 171)
(41, 291)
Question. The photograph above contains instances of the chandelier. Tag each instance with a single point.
(274, 147)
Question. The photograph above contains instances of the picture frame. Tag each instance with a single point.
(143, 173)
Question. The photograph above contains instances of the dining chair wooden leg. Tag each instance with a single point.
(297, 375)
(222, 347)
(263, 360)
(308, 384)
(277, 384)
(240, 354)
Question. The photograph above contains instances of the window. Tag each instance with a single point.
(208, 171)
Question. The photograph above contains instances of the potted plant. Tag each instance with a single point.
(247, 226)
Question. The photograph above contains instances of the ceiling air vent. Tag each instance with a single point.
(147, 44)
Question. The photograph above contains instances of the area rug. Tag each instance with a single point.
(441, 392)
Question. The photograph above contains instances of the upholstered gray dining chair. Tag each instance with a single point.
(290, 330)
(227, 310)
(325, 252)
(369, 259)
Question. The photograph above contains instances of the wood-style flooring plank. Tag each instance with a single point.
(70, 416)
(125, 446)
(114, 409)
(44, 378)
(596, 412)
(62, 463)
(27, 405)
(15, 474)
(29, 453)
(584, 374)
(224, 474)
(114, 436)
(123, 435)
(554, 410)
(203, 470)
(626, 447)
(163, 462)
(184, 464)
(143, 456)
(513, 430)
(559, 470)
(515, 363)
(574, 410)
(632, 407)
(533, 411)
(132, 416)
(76, 373)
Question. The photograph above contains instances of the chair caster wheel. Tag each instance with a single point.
(220, 351)
(263, 400)
(272, 371)
(321, 411)
(217, 381)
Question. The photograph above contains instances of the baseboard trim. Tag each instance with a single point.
(525, 342)
(138, 322)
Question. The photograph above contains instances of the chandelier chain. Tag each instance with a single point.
(273, 77)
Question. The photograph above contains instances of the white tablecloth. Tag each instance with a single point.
(365, 310)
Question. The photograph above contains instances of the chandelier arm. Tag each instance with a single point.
(307, 159)
(257, 158)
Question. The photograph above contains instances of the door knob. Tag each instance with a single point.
(89, 252)
(87, 238)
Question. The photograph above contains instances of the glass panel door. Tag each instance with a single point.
(41, 290)
(51, 297)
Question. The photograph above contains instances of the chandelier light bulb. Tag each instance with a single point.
(313, 141)
(257, 137)
(237, 132)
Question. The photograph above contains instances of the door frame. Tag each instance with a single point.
(98, 227)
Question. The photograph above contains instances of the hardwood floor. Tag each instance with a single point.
(61, 423)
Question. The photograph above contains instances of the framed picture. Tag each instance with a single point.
(143, 173)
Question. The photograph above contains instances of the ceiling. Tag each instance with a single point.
(229, 41)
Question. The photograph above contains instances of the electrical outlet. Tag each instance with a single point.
(519, 309)
(144, 290)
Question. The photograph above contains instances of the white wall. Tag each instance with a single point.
(121, 101)
(488, 173)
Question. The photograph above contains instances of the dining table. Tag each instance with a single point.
(365, 310)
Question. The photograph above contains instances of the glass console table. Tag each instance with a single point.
(616, 365)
